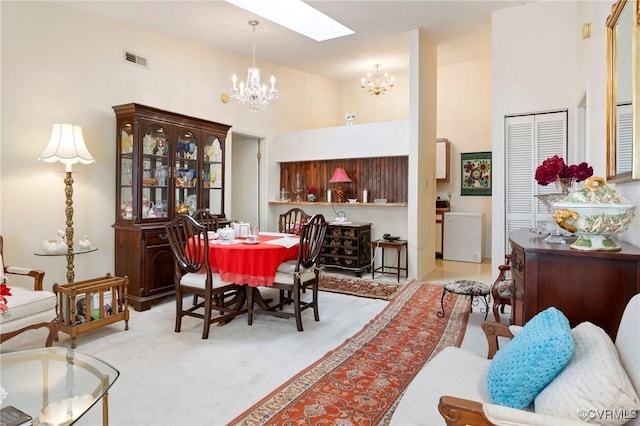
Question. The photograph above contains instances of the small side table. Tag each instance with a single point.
(397, 245)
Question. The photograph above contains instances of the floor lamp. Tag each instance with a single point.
(66, 145)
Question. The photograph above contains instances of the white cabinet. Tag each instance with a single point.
(463, 237)
(439, 224)
(442, 160)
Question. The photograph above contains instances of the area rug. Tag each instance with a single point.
(359, 382)
(375, 289)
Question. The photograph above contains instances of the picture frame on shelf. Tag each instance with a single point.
(476, 171)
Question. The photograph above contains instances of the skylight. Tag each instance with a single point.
(297, 16)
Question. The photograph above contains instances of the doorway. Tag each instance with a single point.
(245, 178)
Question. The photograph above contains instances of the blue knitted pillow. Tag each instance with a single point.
(528, 363)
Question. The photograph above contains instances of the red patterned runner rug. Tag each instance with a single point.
(359, 382)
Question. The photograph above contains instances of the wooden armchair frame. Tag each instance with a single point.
(38, 278)
(461, 412)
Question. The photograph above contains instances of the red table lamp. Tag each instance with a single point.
(339, 176)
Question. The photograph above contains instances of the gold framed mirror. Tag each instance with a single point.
(623, 120)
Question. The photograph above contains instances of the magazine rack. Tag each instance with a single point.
(87, 305)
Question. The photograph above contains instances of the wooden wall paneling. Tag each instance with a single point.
(384, 177)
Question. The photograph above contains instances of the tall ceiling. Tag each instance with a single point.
(460, 28)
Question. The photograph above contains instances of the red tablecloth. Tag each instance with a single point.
(252, 264)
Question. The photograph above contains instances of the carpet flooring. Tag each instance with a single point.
(360, 381)
(169, 378)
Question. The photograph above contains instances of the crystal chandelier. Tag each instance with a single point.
(253, 93)
(377, 85)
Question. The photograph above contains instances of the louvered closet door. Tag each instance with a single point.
(529, 140)
(623, 139)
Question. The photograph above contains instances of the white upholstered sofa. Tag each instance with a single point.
(599, 385)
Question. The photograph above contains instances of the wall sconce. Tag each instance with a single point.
(339, 176)
(67, 146)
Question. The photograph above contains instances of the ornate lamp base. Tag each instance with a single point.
(339, 193)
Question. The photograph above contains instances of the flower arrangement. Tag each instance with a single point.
(554, 168)
(312, 193)
(4, 291)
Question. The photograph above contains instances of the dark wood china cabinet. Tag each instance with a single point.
(166, 164)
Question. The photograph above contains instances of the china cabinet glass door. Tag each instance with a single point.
(126, 171)
(155, 171)
(186, 172)
(212, 177)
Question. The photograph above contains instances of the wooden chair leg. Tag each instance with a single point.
(296, 303)
(178, 311)
(314, 289)
(208, 310)
(249, 290)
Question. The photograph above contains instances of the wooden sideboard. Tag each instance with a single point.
(585, 286)
(347, 246)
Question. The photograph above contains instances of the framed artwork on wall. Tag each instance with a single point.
(475, 173)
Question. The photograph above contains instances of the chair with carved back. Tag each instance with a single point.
(221, 301)
(209, 221)
(28, 309)
(501, 288)
(291, 221)
(293, 276)
(204, 217)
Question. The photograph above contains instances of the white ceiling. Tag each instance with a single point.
(462, 30)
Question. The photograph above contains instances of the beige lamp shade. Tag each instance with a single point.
(67, 146)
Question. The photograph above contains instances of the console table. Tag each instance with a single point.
(346, 246)
(592, 286)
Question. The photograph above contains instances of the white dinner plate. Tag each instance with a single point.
(251, 242)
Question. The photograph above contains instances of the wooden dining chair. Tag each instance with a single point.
(501, 288)
(291, 221)
(293, 276)
(221, 301)
(204, 217)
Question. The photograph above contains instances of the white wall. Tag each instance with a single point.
(592, 68)
(541, 63)
(464, 117)
(369, 108)
(534, 63)
(61, 65)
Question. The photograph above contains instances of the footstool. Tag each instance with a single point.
(473, 290)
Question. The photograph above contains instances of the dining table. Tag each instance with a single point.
(252, 263)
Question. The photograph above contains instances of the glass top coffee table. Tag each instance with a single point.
(55, 385)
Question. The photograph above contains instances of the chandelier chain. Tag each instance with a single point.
(253, 24)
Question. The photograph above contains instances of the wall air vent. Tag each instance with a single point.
(135, 59)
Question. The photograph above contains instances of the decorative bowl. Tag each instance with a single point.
(594, 213)
(352, 200)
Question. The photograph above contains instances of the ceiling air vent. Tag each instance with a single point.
(135, 59)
